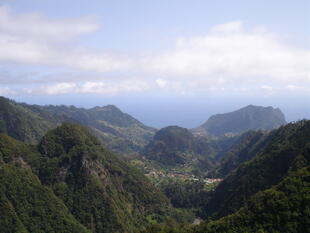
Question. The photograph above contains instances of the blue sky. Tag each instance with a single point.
(165, 62)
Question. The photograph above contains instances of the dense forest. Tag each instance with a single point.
(70, 182)
(268, 193)
(118, 131)
(58, 173)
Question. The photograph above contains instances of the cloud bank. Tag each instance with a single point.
(226, 57)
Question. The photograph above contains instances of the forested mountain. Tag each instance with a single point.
(174, 145)
(26, 205)
(286, 150)
(71, 184)
(282, 208)
(20, 122)
(243, 149)
(248, 118)
(60, 179)
(116, 130)
(268, 193)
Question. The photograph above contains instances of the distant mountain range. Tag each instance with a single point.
(248, 118)
(57, 176)
(117, 130)
(207, 144)
(170, 147)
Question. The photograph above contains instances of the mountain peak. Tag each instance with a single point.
(247, 118)
(65, 137)
(109, 107)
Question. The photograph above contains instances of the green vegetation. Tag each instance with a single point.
(97, 187)
(32, 206)
(21, 123)
(67, 182)
(186, 194)
(25, 204)
(70, 184)
(176, 147)
(282, 208)
(268, 193)
(286, 149)
(116, 130)
(247, 118)
(244, 148)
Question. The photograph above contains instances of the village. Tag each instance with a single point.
(181, 176)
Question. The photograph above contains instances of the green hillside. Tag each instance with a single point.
(21, 123)
(268, 193)
(243, 149)
(248, 118)
(174, 146)
(283, 208)
(25, 204)
(70, 184)
(286, 149)
(118, 131)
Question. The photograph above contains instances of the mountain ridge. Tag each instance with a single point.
(117, 130)
(174, 146)
(287, 149)
(250, 117)
(97, 190)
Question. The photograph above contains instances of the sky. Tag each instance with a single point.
(165, 62)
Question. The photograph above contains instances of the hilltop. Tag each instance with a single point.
(248, 118)
(118, 131)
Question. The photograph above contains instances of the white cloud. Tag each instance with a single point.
(34, 39)
(7, 91)
(60, 88)
(89, 88)
(224, 57)
(36, 27)
(267, 88)
(161, 83)
(232, 57)
(292, 87)
(231, 27)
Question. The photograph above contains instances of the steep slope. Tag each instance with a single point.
(173, 146)
(286, 150)
(248, 118)
(269, 193)
(283, 208)
(25, 204)
(70, 183)
(243, 149)
(119, 131)
(21, 123)
(101, 191)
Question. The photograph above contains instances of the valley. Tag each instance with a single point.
(161, 116)
(100, 170)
